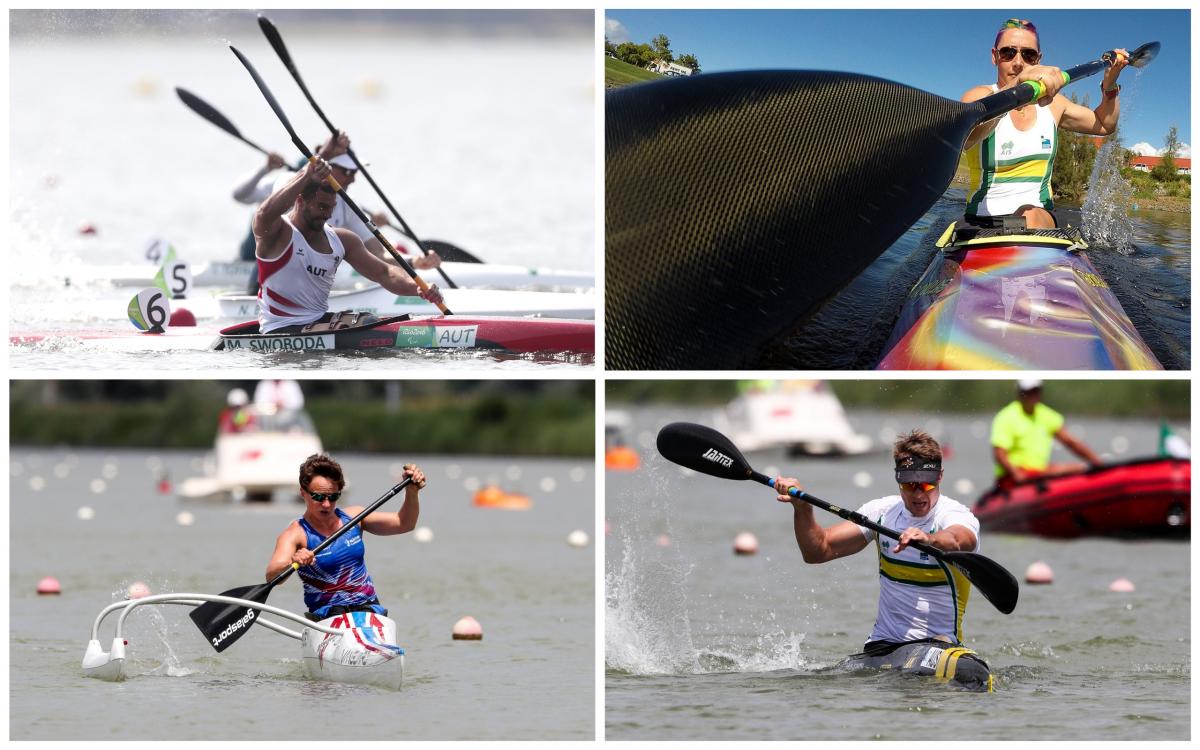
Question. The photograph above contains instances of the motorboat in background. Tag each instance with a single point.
(258, 450)
(804, 417)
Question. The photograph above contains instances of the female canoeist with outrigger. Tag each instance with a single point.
(346, 636)
(1011, 157)
(925, 579)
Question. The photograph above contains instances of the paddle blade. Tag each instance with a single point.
(450, 252)
(1144, 55)
(992, 580)
(222, 624)
(735, 203)
(702, 449)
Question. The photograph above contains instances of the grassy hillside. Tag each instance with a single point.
(617, 73)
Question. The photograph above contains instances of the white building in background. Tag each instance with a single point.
(669, 68)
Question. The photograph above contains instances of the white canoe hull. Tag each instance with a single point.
(381, 302)
(365, 654)
(236, 274)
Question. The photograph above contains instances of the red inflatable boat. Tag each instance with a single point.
(1146, 498)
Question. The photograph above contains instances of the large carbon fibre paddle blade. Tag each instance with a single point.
(735, 203)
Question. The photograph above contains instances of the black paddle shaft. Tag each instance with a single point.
(276, 41)
(707, 451)
(283, 119)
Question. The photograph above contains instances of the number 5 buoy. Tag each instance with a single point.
(150, 311)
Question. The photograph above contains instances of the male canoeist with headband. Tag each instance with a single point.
(299, 254)
(1023, 434)
(919, 599)
(1011, 158)
(336, 581)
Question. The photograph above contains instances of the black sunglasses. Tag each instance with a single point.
(321, 497)
(1028, 54)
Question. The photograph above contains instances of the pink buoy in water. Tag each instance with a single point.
(49, 585)
(663, 540)
(1039, 572)
(183, 317)
(745, 543)
(1121, 586)
(468, 629)
(137, 590)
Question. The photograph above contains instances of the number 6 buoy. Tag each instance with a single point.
(150, 311)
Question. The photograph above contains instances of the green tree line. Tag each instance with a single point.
(1157, 399)
(642, 55)
(1076, 156)
(543, 418)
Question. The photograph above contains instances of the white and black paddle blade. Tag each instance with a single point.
(992, 580)
(702, 449)
(222, 624)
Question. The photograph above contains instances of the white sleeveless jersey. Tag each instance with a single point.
(295, 286)
(1012, 168)
(916, 597)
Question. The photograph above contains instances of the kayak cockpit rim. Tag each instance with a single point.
(957, 238)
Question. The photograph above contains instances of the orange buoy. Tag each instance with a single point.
(621, 458)
(494, 497)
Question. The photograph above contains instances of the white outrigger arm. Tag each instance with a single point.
(110, 665)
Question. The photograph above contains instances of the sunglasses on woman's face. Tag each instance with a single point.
(320, 497)
(1028, 54)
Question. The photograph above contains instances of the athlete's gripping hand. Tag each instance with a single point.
(418, 476)
(432, 294)
(303, 557)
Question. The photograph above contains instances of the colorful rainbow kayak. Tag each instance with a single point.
(993, 300)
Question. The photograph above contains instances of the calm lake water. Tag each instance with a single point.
(701, 644)
(475, 140)
(1153, 284)
(532, 677)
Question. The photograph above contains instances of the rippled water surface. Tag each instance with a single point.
(703, 644)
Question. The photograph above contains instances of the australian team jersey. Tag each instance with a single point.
(1012, 168)
(338, 577)
(295, 286)
(918, 597)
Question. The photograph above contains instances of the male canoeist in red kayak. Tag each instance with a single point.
(336, 581)
(257, 187)
(918, 598)
(1011, 158)
(1023, 433)
(299, 254)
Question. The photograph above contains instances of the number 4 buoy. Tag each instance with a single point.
(150, 311)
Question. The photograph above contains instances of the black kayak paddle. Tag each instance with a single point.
(276, 40)
(222, 624)
(707, 451)
(736, 203)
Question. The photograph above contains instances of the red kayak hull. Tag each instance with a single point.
(1149, 498)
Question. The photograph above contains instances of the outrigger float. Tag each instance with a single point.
(358, 647)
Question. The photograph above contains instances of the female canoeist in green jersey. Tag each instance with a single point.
(1011, 158)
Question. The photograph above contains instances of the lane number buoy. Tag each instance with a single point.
(150, 311)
